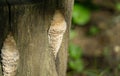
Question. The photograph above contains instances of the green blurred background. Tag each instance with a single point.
(93, 49)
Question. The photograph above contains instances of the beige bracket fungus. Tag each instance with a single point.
(10, 56)
(56, 31)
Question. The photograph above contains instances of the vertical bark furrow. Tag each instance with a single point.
(4, 26)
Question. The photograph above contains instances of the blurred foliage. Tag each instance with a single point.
(75, 51)
(73, 34)
(81, 14)
(76, 65)
(95, 72)
(93, 30)
(75, 55)
(118, 6)
(92, 72)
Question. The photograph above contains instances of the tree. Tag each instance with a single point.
(29, 22)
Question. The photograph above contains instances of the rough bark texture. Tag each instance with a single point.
(4, 21)
(30, 24)
(66, 6)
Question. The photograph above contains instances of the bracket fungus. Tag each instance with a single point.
(10, 56)
(56, 31)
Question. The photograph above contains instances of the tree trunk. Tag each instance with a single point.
(4, 26)
(29, 24)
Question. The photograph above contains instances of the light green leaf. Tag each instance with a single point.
(76, 65)
(81, 15)
(93, 30)
(118, 6)
(75, 51)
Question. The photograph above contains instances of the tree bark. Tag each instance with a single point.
(29, 25)
(4, 26)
